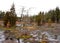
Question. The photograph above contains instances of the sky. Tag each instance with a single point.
(32, 6)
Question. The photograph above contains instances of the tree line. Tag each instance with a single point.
(50, 16)
(41, 18)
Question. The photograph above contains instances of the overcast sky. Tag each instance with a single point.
(35, 5)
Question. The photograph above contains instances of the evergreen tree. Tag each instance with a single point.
(57, 12)
(13, 15)
(2, 15)
(10, 17)
(40, 18)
